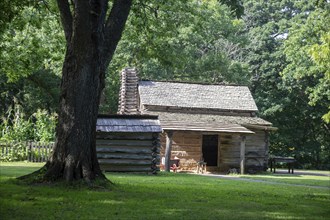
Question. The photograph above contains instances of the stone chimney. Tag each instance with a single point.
(128, 94)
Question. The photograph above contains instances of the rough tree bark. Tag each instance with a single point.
(92, 34)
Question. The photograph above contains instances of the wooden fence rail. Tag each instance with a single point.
(30, 151)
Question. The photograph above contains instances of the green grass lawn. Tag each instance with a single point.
(164, 196)
(299, 179)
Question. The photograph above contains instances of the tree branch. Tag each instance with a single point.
(66, 18)
(114, 27)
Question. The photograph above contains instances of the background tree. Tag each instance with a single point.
(307, 51)
(10, 9)
(31, 60)
(285, 101)
(32, 51)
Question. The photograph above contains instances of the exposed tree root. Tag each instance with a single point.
(53, 173)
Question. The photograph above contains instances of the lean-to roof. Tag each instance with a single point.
(126, 123)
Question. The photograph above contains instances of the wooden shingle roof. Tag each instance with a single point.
(187, 95)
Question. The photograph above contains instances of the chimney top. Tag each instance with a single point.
(128, 94)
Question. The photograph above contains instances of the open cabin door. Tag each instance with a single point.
(210, 149)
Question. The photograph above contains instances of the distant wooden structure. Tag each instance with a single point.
(216, 124)
(213, 125)
(128, 143)
(288, 160)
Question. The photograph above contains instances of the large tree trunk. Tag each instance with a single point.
(91, 38)
(74, 155)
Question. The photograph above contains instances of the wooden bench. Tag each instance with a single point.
(289, 160)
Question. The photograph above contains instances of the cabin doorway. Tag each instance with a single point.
(210, 149)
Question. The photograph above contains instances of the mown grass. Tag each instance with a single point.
(165, 196)
(298, 179)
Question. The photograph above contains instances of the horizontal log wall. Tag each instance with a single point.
(186, 146)
(128, 152)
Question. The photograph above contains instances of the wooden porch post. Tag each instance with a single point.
(168, 150)
(242, 154)
(169, 138)
(266, 149)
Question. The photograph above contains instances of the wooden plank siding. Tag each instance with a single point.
(257, 150)
(128, 152)
(187, 146)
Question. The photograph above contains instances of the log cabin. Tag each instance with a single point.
(216, 125)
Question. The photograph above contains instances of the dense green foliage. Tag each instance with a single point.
(32, 50)
(280, 49)
(38, 127)
(288, 86)
(165, 196)
(18, 129)
(307, 52)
